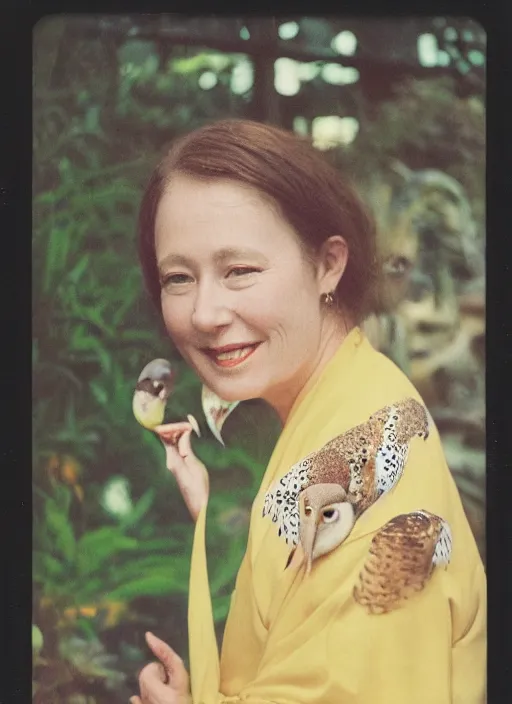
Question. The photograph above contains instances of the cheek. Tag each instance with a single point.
(286, 310)
(176, 317)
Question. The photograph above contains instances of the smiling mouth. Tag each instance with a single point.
(231, 355)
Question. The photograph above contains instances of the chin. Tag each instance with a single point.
(230, 392)
(233, 389)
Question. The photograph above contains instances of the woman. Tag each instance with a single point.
(262, 261)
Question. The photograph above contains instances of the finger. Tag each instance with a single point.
(135, 700)
(173, 459)
(171, 432)
(154, 682)
(170, 660)
(184, 447)
(152, 671)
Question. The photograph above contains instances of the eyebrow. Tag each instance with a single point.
(219, 257)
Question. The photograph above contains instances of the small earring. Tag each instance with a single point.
(328, 298)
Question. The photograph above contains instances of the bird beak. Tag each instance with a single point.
(216, 410)
(307, 541)
(296, 558)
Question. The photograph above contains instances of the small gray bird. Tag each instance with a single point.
(153, 388)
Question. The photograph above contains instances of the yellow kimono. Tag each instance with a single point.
(296, 639)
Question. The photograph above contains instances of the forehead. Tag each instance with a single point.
(186, 201)
(192, 211)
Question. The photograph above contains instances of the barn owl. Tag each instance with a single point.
(355, 468)
(402, 557)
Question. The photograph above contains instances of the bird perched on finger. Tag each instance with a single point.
(152, 391)
(349, 473)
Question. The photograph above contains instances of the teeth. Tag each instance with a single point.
(233, 354)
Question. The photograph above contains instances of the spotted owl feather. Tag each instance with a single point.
(281, 501)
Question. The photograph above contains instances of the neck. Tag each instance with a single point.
(333, 333)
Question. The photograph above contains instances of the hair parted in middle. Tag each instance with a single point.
(308, 192)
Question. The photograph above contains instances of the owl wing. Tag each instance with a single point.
(401, 423)
(401, 559)
(282, 500)
(365, 460)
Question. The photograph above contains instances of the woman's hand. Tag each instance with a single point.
(190, 473)
(165, 682)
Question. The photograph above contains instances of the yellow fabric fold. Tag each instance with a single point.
(292, 639)
(204, 656)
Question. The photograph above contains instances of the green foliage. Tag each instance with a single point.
(112, 537)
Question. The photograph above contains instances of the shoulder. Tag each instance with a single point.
(349, 396)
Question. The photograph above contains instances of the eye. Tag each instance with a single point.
(330, 515)
(397, 266)
(242, 271)
(175, 280)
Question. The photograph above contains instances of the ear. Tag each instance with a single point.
(331, 263)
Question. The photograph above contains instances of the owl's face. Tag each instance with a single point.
(326, 519)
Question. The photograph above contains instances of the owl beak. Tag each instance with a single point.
(308, 542)
(296, 558)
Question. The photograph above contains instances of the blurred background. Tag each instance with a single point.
(399, 106)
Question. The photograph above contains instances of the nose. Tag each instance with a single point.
(211, 308)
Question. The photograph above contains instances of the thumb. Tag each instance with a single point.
(184, 446)
(170, 660)
(135, 700)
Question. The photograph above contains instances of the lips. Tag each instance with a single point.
(231, 355)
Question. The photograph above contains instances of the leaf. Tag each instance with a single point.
(158, 583)
(46, 567)
(56, 256)
(86, 589)
(82, 341)
(96, 548)
(62, 496)
(165, 545)
(99, 393)
(60, 528)
(75, 274)
(143, 564)
(86, 627)
(139, 510)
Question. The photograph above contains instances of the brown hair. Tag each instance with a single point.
(310, 194)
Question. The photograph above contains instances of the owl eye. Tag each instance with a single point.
(330, 515)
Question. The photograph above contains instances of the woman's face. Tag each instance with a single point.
(239, 299)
